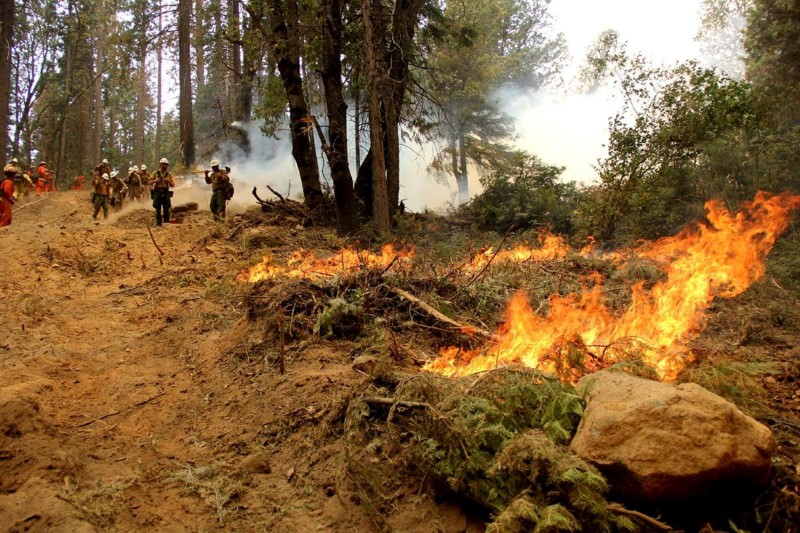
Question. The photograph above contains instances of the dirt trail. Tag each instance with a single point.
(118, 410)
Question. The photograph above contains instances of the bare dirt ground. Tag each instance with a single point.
(118, 407)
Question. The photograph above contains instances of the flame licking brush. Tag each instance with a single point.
(721, 258)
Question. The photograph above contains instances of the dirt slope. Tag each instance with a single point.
(118, 407)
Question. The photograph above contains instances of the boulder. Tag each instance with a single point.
(659, 441)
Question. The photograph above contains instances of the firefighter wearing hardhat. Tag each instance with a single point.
(7, 194)
(219, 181)
(144, 179)
(102, 189)
(160, 183)
(134, 183)
(41, 178)
(104, 167)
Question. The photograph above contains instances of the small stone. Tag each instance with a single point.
(258, 463)
(364, 363)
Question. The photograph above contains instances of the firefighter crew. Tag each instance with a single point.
(102, 187)
(219, 183)
(7, 194)
(160, 182)
(41, 178)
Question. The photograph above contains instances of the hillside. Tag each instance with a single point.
(143, 391)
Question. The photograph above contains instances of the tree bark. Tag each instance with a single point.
(99, 39)
(284, 40)
(185, 92)
(6, 39)
(199, 48)
(141, 95)
(463, 182)
(380, 200)
(346, 219)
(235, 43)
(158, 78)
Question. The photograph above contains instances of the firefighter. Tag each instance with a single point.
(118, 191)
(144, 179)
(134, 183)
(19, 179)
(219, 185)
(7, 194)
(50, 178)
(102, 188)
(160, 183)
(41, 178)
(102, 168)
(77, 184)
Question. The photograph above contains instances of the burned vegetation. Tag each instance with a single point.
(450, 406)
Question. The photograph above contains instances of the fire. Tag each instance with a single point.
(718, 259)
(551, 247)
(305, 264)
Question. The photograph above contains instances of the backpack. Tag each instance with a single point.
(228, 190)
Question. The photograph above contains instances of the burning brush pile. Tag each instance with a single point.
(574, 330)
(461, 409)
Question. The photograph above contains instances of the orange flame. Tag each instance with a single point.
(721, 258)
(305, 264)
(551, 247)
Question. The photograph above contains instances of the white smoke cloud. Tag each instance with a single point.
(270, 162)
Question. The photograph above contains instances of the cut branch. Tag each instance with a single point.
(109, 415)
(441, 317)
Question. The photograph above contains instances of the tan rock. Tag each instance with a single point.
(364, 363)
(659, 441)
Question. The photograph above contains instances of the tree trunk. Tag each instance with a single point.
(185, 91)
(67, 82)
(285, 42)
(235, 44)
(6, 38)
(463, 178)
(397, 56)
(158, 89)
(199, 48)
(141, 101)
(346, 218)
(99, 39)
(380, 200)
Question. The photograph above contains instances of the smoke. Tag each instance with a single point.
(564, 129)
(269, 161)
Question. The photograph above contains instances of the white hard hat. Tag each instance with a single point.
(144, 167)
(114, 173)
(163, 161)
(214, 163)
(135, 168)
(105, 161)
(130, 169)
(15, 160)
(105, 176)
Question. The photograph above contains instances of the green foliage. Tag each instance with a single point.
(339, 318)
(497, 440)
(525, 194)
(685, 136)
